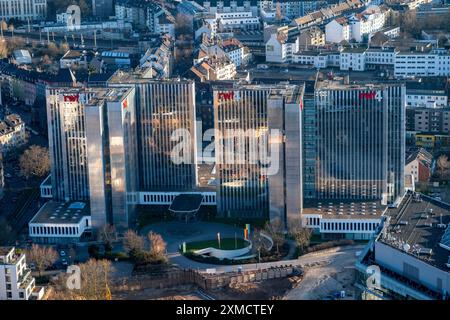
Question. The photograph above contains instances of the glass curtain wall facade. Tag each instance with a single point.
(240, 116)
(112, 156)
(67, 143)
(285, 108)
(254, 155)
(360, 141)
(166, 119)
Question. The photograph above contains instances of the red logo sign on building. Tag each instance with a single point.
(226, 95)
(71, 98)
(371, 95)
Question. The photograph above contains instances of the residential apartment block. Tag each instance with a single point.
(428, 120)
(12, 132)
(24, 10)
(16, 282)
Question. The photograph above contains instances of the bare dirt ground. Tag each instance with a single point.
(323, 278)
(325, 272)
(266, 290)
(179, 293)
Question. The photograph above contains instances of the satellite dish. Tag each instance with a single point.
(406, 247)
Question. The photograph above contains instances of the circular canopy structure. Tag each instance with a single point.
(186, 205)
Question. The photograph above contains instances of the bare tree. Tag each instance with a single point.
(275, 230)
(107, 235)
(3, 25)
(157, 244)
(11, 29)
(52, 50)
(302, 238)
(3, 49)
(6, 232)
(63, 48)
(35, 161)
(443, 164)
(133, 242)
(301, 235)
(95, 283)
(42, 257)
(259, 243)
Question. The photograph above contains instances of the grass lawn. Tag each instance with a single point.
(225, 244)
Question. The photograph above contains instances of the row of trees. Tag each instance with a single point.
(134, 244)
(94, 282)
(299, 234)
(34, 162)
(411, 25)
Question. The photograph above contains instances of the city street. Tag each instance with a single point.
(21, 197)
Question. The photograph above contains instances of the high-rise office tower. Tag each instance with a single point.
(67, 142)
(357, 151)
(112, 157)
(285, 106)
(257, 133)
(92, 139)
(166, 130)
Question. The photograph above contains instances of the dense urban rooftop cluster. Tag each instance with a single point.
(351, 96)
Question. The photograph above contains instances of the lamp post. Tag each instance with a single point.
(218, 239)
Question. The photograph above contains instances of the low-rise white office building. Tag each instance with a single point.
(58, 222)
(421, 63)
(339, 219)
(23, 9)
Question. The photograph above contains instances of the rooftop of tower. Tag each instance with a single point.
(109, 95)
(291, 92)
(345, 84)
(139, 76)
